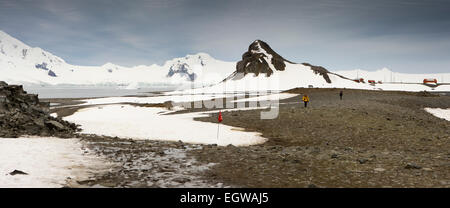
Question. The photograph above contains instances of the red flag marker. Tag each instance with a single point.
(220, 116)
(218, 123)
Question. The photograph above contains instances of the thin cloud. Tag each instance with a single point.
(338, 34)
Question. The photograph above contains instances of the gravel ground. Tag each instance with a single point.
(144, 163)
(369, 139)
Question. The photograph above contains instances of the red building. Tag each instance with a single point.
(430, 81)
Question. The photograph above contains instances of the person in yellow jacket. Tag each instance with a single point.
(305, 99)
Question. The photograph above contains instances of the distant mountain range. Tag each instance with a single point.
(22, 64)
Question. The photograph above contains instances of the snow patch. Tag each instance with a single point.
(152, 100)
(271, 97)
(48, 162)
(440, 113)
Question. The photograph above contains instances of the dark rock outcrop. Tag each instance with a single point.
(319, 70)
(51, 73)
(42, 66)
(24, 114)
(260, 58)
(183, 70)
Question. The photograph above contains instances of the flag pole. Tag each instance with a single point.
(219, 119)
(218, 124)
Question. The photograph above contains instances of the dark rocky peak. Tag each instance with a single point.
(260, 58)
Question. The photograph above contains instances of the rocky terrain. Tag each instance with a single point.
(135, 163)
(24, 114)
(147, 164)
(369, 139)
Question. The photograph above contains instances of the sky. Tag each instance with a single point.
(411, 36)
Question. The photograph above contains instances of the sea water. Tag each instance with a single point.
(91, 91)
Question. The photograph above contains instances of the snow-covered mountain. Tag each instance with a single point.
(261, 58)
(22, 64)
(15, 54)
(262, 69)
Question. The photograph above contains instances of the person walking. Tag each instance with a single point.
(305, 99)
(341, 94)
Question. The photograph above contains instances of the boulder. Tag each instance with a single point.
(18, 172)
(55, 124)
(412, 166)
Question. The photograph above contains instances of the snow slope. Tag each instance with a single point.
(298, 75)
(294, 75)
(22, 64)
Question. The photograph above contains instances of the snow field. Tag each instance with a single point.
(49, 162)
(128, 121)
